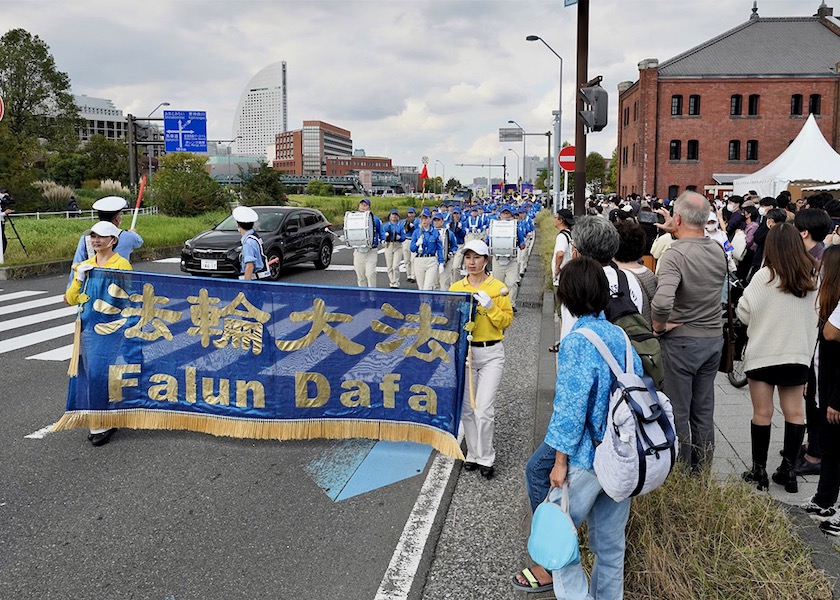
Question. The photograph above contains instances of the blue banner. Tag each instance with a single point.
(269, 360)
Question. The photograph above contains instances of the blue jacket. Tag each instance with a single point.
(582, 391)
(393, 232)
(431, 243)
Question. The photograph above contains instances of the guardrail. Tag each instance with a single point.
(80, 214)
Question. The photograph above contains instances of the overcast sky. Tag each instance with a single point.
(408, 78)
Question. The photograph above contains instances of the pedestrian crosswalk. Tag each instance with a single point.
(46, 328)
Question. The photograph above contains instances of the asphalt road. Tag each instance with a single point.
(180, 515)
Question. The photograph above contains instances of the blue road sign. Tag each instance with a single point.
(569, 2)
(185, 130)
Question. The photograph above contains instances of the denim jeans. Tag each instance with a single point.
(606, 520)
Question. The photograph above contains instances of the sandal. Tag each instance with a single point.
(555, 348)
(533, 584)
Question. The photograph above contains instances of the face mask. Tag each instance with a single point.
(762, 211)
(732, 207)
(711, 228)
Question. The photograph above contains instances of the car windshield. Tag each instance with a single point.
(268, 221)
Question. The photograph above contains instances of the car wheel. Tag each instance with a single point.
(324, 256)
(275, 267)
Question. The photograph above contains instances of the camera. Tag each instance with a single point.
(650, 217)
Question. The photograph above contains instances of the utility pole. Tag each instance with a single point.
(582, 78)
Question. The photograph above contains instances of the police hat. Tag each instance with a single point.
(110, 204)
(244, 214)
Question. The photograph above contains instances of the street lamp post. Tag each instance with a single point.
(558, 115)
(150, 132)
(443, 166)
(517, 167)
(524, 153)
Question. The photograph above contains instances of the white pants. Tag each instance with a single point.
(507, 270)
(426, 270)
(393, 256)
(479, 424)
(364, 263)
(408, 257)
(445, 278)
(522, 259)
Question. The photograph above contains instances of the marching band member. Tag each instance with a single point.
(364, 259)
(104, 238)
(487, 356)
(474, 225)
(450, 245)
(525, 229)
(409, 224)
(393, 234)
(428, 248)
(456, 226)
(252, 260)
(506, 268)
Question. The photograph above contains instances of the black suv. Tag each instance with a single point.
(289, 234)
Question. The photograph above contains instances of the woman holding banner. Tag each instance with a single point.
(486, 358)
(104, 237)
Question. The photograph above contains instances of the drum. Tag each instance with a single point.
(502, 238)
(358, 229)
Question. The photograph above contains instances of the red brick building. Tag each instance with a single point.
(344, 165)
(729, 106)
(305, 151)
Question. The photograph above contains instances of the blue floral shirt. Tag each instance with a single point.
(582, 391)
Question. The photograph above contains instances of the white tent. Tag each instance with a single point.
(809, 159)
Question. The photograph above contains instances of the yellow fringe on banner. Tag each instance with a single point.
(73, 369)
(264, 429)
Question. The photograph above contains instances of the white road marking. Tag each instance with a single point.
(176, 259)
(41, 433)
(16, 295)
(59, 354)
(37, 318)
(30, 339)
(396, 584)
(5, 310)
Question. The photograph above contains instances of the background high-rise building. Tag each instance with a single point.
(262, 113)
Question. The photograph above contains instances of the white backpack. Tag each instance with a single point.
(640, 441)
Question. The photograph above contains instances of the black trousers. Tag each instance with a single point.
(829, 484)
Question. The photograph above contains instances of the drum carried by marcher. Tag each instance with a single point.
(359, 229)
(503, 238)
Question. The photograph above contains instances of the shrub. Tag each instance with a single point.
(56, 196)
(113, 188)
(183, 188)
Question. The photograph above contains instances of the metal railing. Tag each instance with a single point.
(80, 214)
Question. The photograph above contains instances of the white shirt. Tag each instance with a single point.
(561, 244)
(834, 318)
(635, 295)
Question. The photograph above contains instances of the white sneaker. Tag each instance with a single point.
(831, 526)
(817, 512)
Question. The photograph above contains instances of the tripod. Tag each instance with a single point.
(17, 235)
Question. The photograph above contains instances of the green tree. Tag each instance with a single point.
(36, 94)
(107, 159)
(539, 184)
(182, 188)
(595, 172)
(67, 168)
(612, 173)
(313, 188)
(452, 185)
(263, 187)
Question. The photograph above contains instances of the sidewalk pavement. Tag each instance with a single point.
(484, 536)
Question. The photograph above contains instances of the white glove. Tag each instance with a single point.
(440, 269)
(82, 269)
(483, 298)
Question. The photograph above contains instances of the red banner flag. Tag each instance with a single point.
(424, 174)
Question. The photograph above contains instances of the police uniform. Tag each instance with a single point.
(394, 235)
(252, 250)
(364, 259)
(429, 259)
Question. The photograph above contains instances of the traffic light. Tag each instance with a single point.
(595, 115)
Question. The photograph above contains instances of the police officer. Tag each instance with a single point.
(394, 235)
(108, 209)
(428, 248)
(409, 224)
(253, 264)
(364, 259)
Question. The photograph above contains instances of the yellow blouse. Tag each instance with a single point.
(490, 323)
(115, 262)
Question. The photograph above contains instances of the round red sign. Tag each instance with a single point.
(566, 158)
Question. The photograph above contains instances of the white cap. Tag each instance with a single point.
(478, 247)
(110, 204)
(106, 228)
(712, 217)
(244, 214)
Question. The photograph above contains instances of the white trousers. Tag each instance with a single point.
(479, 423)
(408, 257)
(393, 256)
(426, 270)
(364, 263)
(507, 270)
(445, 278)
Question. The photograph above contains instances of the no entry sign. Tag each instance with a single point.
(566, 159)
